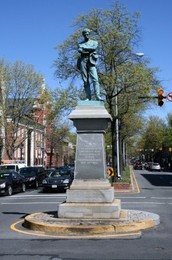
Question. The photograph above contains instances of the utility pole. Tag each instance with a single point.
(117, 138)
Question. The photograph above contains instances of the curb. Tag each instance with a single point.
(130, 222)
(120, 187)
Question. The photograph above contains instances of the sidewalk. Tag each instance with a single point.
(121, 187)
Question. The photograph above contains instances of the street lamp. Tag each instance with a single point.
(1, 146)
(117, 138)
(21, 150)
(43, 150)
(139, 55)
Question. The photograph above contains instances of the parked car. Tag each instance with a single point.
(148, 165)
(58, 179)
(155, 167)
(11, 182)
(68, 170)
(138, 165)
(34, 175)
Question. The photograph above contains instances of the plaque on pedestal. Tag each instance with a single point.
(90, 156)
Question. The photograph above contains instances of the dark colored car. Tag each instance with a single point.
(66, 169)
(58, 179)
(11, 182)
(138, 166)
(33, 175)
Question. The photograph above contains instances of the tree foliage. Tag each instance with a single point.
(20, 85)
(167, 138)
(123, 76)
(63, 100)
(153, 135)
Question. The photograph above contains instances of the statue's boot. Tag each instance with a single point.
(87, 91)
(97, 92)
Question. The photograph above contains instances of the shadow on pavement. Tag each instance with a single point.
(159, 179)
(16, 213)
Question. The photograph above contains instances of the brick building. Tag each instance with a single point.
(31, 142)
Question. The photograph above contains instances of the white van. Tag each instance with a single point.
(12, 166)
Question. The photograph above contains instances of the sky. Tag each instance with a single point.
(30, 30)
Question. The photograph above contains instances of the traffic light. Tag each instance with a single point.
(160, 97)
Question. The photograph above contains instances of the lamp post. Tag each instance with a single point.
(21, 151)
(43, 151)
(117, 138)
(1, 146)
(139, 55)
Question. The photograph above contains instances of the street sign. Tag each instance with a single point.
(169, 96)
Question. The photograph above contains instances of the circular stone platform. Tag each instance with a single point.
(129, 221)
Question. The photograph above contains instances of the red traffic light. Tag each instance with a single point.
(160, 97)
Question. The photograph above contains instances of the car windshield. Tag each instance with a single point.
(7, 167)
(54, 174)
(63, 171)
(47, 172)
(27, 171)
(57, 173)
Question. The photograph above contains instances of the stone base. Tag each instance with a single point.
(90, 199)
(97, 191)
(90, 210)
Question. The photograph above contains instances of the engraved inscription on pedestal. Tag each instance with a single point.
(90, 156)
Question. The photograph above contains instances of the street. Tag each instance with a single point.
(155, 196)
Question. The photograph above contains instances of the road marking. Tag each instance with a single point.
(29, 203)
(94, 236)
(130, 197)
(50, 202)
(23, 196)
(136, 182)
(162, 198)
(143, 202)
(63, 196)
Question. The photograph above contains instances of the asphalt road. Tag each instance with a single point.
(155, 196)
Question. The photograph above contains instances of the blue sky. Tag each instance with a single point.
(30, 29)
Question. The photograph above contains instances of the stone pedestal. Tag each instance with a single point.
(90, 195)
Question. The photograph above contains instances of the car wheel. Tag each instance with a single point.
(9, 191)
(23, 187)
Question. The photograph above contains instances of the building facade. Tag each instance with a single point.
(29, 141)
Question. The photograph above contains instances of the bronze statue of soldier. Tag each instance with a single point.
(87, 64)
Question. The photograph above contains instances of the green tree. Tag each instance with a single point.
(168, 132)
(153, 136)
(122, 76)
(61, 103)
(19, 86)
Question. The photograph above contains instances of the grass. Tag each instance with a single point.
(125, 177)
